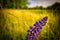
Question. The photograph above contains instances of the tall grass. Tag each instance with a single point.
(14, 24)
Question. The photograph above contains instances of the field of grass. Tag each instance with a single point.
(14, 24)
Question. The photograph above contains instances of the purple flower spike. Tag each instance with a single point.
(42, 23)
(33, 32)
(45, 18)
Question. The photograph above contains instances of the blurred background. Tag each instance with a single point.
(16, 16)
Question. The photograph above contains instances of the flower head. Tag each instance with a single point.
(31, 35)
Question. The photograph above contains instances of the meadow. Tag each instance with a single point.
(14, 24)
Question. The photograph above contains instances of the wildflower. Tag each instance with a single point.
(31, 35)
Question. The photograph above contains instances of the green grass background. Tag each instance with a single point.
(14, 24)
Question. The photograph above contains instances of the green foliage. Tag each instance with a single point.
(55, 6)
(14, 3)
(7, 31)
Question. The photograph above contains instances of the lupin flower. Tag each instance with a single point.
(32, 33)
